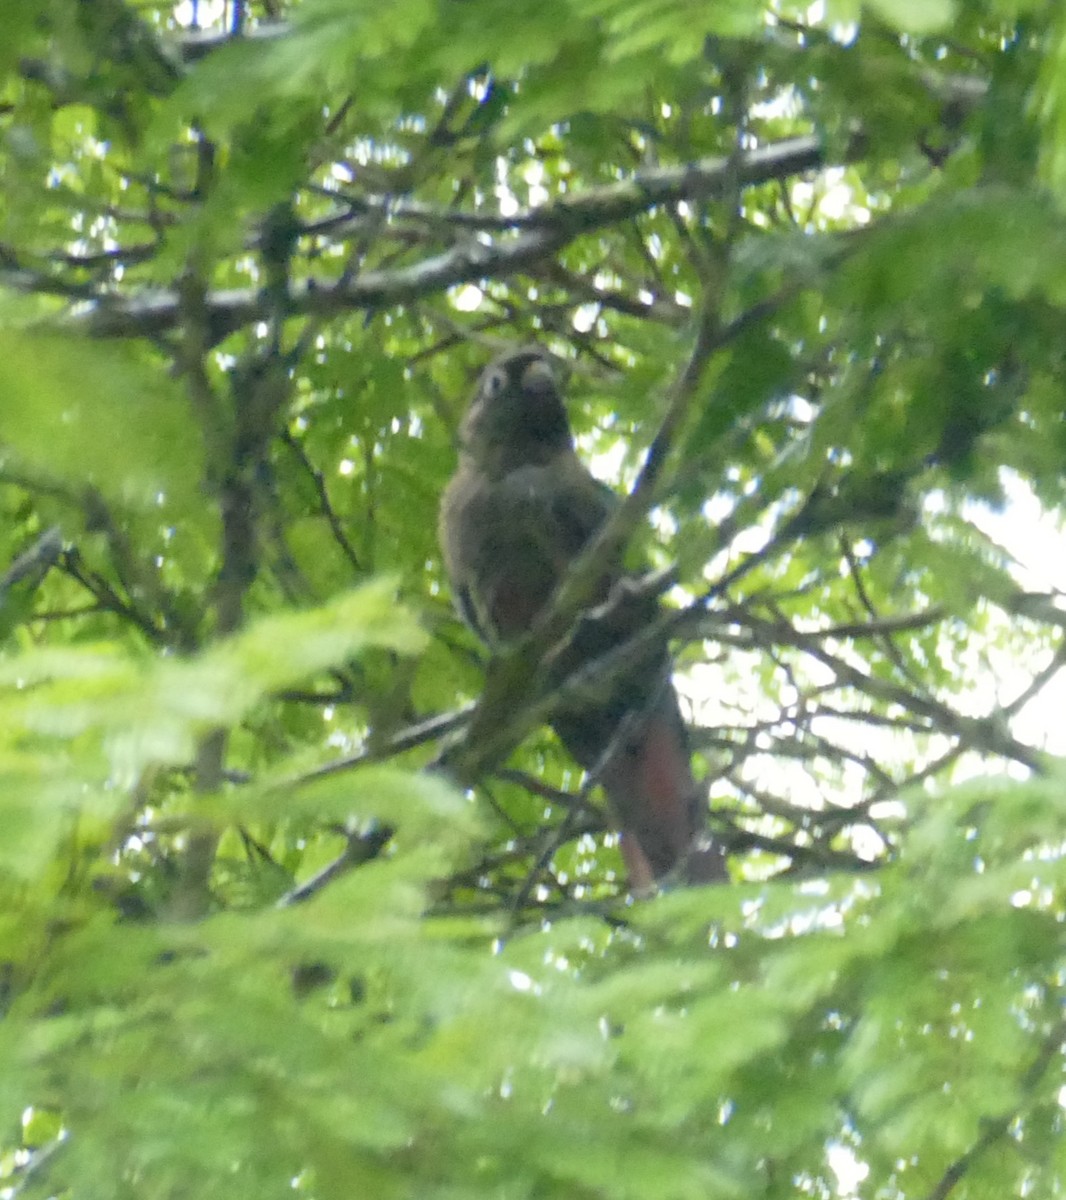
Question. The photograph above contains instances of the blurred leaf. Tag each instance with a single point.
(918, 16)
(96, 414)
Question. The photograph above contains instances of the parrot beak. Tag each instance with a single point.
(538, 378)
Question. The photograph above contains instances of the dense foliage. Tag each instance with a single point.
(283, 906)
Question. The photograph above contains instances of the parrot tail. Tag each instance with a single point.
(656, 803)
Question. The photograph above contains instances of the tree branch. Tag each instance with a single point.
(550, 228)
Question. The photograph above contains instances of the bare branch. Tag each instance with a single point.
(551, 228)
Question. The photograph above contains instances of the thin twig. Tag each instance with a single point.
(324, 502)
(997, 1128)
(361, 848)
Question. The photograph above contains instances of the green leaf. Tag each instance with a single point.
(100, 415)
(916, 16)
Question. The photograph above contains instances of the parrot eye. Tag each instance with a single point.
(495, 382)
